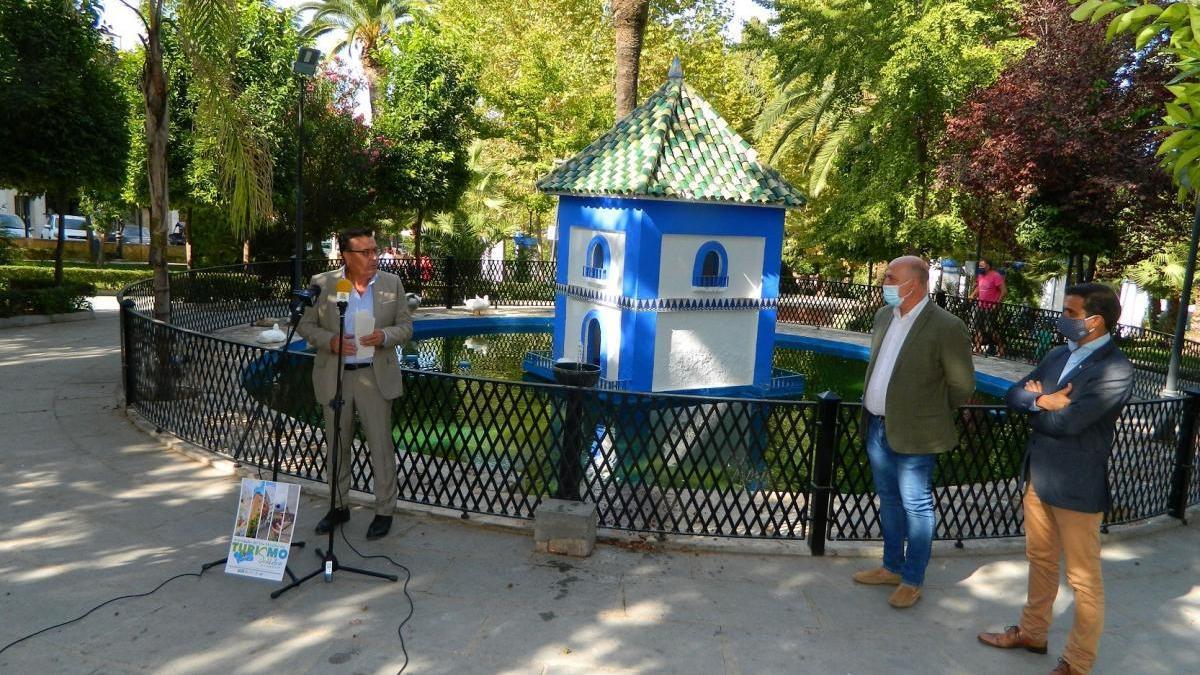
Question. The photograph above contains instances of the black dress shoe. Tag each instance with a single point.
(379, 527)
(332, 519)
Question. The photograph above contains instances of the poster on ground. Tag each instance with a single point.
(262, 531)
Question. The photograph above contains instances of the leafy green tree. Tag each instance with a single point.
(209, 35)
(547, 86)
(362, 25)
(1172, 28)
(264, 98)
(64, 115)
(424, 127)
(863, 91)
(477, 223)
(1065, 135)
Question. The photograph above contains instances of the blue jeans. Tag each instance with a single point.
(904, 484)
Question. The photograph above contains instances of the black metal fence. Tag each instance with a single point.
(650, 462)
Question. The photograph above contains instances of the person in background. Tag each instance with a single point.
(988, 294)
(1073, 397)
(919, 373)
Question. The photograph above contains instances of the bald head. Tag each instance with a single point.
(908, 268)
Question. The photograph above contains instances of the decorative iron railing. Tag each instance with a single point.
(650, 462)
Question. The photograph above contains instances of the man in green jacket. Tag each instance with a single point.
(920, 372)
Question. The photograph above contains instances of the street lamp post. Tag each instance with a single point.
(304, 67)
(1185, 299)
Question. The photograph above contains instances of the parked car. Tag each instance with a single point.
(12, 226)
(76, 228)
(129, 234)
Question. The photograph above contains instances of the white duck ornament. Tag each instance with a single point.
(477, 304)
(272, 334)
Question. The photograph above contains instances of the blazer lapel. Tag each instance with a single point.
(917, 327)
(1093, 358)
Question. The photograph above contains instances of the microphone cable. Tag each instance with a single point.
(106, 602)
(407, 577)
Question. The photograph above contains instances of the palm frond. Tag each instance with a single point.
(827, 155)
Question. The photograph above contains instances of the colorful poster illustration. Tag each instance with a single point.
(262, 531)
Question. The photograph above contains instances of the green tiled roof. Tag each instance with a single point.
(673, 146)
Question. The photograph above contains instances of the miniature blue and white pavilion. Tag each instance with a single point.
(670, 234)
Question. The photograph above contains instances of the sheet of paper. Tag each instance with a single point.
(364, 325)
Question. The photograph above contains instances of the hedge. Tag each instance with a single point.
(103, 279)
(36, 296)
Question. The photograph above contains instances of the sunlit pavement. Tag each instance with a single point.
(93, 508)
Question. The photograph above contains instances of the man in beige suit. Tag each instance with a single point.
(920, 372)
(369, 384)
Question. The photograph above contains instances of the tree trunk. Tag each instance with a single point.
(416, 232)
(629, 19)
(371, 70)
(61, 207)
(1091, 268)
(187, 240)
(246, 252)
(154, 86)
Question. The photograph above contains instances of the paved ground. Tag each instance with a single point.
(93, 508)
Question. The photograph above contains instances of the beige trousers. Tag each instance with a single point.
(1050, 533)
(360, 392)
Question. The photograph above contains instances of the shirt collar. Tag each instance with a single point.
(1083, 350)
(375, 276)
(912, 313)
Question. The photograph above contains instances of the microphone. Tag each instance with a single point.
(343, 293)
(307, 296)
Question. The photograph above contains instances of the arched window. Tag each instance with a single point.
(711, 268)
(595, 266)
(592, 338)
(593, 350)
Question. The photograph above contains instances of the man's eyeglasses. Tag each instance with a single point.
(369, 252)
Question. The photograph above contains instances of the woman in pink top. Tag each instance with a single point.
(987, 294)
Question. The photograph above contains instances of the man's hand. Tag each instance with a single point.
(1056, 401)
(1033, 386)
(375, 339)
(348, 346)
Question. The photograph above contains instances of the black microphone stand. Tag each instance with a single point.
(285, 359)
(329, 561)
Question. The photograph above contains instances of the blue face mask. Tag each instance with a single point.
(891, 294)
(1072, 329)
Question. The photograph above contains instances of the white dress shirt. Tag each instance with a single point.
(364, 302)
(875, 397)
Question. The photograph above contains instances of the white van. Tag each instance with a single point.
(76, 228)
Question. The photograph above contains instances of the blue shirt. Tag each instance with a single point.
(1081, 352)
(358, 302)
(1078, 354)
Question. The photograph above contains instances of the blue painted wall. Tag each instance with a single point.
(644, 223)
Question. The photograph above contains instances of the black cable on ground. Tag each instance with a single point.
(407, 577)
(106, 602)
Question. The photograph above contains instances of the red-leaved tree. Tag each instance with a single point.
(1057, 155)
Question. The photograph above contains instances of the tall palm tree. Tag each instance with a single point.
(362, 25)
(209, 30)
(629, 19)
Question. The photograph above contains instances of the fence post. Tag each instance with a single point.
(1185, 457)
(822, 474)
(451, 273)
(127, 352)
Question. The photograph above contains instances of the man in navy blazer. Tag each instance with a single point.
(1074, 398)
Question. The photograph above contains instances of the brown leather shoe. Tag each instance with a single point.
(1063, 668)
(904, 596)
(877, 577)
(1012, 638)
